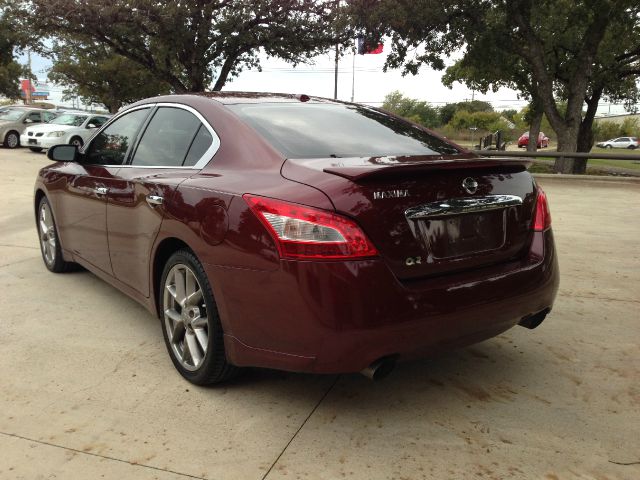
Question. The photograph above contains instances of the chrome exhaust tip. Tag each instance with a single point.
(380, 368)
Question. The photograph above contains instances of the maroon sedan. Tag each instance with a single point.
(298, 233)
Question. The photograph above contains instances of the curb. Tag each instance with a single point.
(587, 178)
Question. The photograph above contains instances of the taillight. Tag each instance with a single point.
(309, 233)
(542, 219)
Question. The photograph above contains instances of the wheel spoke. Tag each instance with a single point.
(199, 322)
(177, 335)
(203, 338)
(179, 282)
(44, 229)
(194, 350)
(173, 315)
(194, 298)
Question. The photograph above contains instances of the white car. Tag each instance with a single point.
(620, 142)
(72, 128)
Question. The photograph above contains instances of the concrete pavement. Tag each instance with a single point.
(87, 389)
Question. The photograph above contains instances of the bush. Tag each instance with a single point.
(605, 130)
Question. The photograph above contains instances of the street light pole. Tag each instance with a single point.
(353, 75)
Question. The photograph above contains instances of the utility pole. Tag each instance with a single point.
(335, 77)
(28, 98)
(353, 74)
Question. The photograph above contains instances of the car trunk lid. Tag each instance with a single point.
(430, 215)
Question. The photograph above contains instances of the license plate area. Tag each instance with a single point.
(33, 141)
(464, 234)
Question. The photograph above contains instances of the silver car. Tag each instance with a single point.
(15, 120)
(68, 127)
(620, 142)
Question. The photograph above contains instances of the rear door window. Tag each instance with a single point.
(167, 138)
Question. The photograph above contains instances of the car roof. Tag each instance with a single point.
(228, 97)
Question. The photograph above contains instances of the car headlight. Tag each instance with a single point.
(55, 134)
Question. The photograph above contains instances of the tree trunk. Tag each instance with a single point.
(534, 130)
(568, 142)
(585, 134)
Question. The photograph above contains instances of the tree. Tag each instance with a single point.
(449, 110)
(98, 75)
(416, 110)
(192, 44)
(548, 50)
(10, 70)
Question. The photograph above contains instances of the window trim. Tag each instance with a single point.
(201, 163)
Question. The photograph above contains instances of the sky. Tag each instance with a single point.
(370, 83)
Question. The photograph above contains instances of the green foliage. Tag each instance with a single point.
(98, 75)
(10, 70)
(191, 45)
(575, 51)
(630, 127)
(483, 121)
(449, 110)
(607, 129)
(414, 110)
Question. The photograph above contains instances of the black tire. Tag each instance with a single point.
(35, 149)
(608, 146)
(57, 263)
(12, 139)
(77, 141)
(214, 367)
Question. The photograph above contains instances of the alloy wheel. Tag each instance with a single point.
(185, 317)
(12, 140)
(47, 234)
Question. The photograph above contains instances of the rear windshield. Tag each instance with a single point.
(318, 130)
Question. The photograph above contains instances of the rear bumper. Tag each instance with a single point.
(330, 317)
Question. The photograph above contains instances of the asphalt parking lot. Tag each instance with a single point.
(88, 389)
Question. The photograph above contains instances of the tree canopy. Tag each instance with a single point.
(98, 75)
(193, 44)
(548, 50)
(10, 70)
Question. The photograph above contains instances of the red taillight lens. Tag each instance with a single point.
(310, 233)
(542, 219)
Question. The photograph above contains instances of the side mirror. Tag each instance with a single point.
(91, 125)
(28, 120)
(63, 153)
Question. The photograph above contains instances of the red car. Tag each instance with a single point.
(298, 233)
(543, 140)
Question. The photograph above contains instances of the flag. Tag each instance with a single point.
(366, 48)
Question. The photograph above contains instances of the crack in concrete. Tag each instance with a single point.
(18, 246)
(16, 262)
(596, 297)
(142, 465)
(333, 384)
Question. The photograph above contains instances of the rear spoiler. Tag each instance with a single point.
(357, 169)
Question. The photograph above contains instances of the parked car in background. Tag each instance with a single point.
(15, 120)
(543, 140)
(73, 128)
(298, 233)
(620, 142)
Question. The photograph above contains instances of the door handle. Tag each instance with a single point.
(100, 191)
(154, 200)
